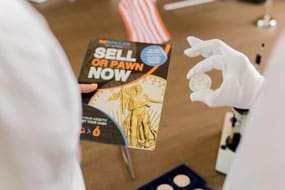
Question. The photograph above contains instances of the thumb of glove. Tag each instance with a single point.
(206, 96)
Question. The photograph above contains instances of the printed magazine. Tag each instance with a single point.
(126, 107)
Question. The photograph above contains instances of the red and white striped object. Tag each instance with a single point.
(143, 21)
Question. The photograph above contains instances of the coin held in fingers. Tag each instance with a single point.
(199, 82)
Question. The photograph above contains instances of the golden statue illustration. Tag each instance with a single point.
(137, 124)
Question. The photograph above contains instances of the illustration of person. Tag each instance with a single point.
(137, 124)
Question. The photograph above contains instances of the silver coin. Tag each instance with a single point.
(199, 82)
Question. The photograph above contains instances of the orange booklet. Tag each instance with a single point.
(126, 108)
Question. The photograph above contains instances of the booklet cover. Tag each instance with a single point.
(126, 107)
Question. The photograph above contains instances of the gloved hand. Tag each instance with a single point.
(241, 81)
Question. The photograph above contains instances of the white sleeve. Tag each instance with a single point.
(260, 160)
(40, 109)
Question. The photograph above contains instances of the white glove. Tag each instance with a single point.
(241, 81)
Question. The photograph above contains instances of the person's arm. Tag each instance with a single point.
(40, 112)
(259, 161)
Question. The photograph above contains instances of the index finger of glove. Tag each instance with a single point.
(204, 48)
(193, 41)
(213, 62)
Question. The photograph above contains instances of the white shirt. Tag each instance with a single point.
(260, 160)
(40, 110)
